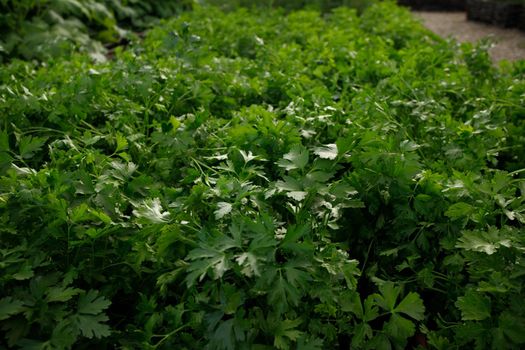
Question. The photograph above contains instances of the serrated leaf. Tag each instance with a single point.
(281, 293)
(362, 332)
(223, 208)
(91, 326)
(90, 303)
(223, 337)
(319, 176)
(389, 294)
(289, 184)
(123, 171)
(10, 307)
(26, 272)
(473, 306)
(297, 158)
(351, 302)
(79, 213)
(487, 242)
(328, 151)
(292, 188)
(412, 305)
(101, 216)
(29, 145)
(122, 142)
(285, 332)
(151, 211)
(295, 232)
(247, 157)
(61, 294)
(400, 329)
(408, 146)
(249, 263)
(459, 210)
(207, 258)
(371, 311)
(297, 195)
(65, 333)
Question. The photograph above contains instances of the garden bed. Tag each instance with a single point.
(264, 180)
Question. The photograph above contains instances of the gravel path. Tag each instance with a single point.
(509, 43)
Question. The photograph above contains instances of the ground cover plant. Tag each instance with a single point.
(43, 29)
(40, 29)
(265, 180)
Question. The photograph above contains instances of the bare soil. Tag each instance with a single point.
(509, 44)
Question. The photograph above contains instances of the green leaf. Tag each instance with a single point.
(309, 343)
(389, 293)
(65, 333)
(297, 195)
(297, 158)
(328, 151)
(90, 303)
(295, 232)
(362, 332)
(92, 326)
(399, 329)
(487, 242)
(4, 141)
(459, 210)
(61, 294)
(412, 305)
(380, 341)
(151, 211)
(292, 187)
(223, 337)
(473, 306)
(222, 210)
(26, 272)
(80, 213)
(5, 157)
(247, 156)
(249, 263)
(29, 145)
(205, 259)
(370, 308)
(350, 302)
(286, 332)
(103, 217)
(285, 285)
(408, 146)
(122, 143)
(10, 307)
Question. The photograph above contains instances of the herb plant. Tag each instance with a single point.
(265, 180)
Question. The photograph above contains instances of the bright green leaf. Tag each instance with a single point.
(297, 158)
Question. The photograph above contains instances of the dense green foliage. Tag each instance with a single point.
(43, 29)
(259, 180)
